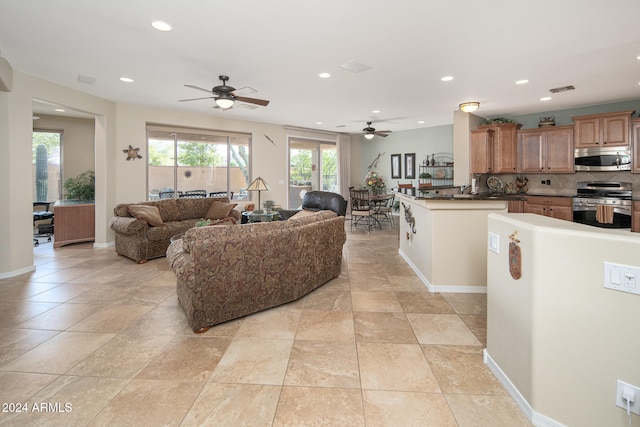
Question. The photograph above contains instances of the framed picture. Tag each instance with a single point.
(410, 166)
(396, 169)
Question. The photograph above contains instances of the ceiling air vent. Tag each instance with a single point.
(562, 89)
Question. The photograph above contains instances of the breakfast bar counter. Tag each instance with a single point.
(444, 240)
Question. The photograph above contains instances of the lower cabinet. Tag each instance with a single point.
(635, 219)
(515, 206)
(555, 207)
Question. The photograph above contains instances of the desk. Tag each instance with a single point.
(75, 222)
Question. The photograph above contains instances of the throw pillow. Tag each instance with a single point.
(219, 210)
(151, 214)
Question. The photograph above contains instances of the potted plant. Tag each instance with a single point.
(82, 187)
(268, 205)
(425, 175)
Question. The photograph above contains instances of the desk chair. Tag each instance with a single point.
(41, 213)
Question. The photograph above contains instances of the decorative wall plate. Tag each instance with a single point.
(494, 183)
(441, 173)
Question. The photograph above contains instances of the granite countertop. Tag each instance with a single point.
(483, 196)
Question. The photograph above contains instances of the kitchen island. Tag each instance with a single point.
(444, 239)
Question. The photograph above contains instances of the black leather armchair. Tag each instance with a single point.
(319, 201)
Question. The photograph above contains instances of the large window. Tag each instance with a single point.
(186, 162)
(46, 165)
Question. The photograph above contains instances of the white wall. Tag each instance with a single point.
(557, 334)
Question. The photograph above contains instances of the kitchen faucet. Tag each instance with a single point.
(463, 187)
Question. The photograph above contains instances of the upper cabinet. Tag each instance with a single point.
(546, 150)
(493, 148)
(635, 138)
(602, 130)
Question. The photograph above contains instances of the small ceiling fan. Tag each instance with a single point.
(370, 132)
(225, 96)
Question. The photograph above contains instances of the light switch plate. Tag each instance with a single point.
(620, 277)
(494, 242)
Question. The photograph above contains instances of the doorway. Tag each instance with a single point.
(313, 165)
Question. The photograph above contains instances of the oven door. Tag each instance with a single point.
(587, 215)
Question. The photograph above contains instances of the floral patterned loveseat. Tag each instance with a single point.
(141, 240)
(226, 272)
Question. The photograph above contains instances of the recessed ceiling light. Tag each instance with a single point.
(522, 82)
(375, 111)
(126, 79)
(546, 98)
(161, 26)
(447, 78)
(324, 75)
(318, 123)
(420, 121)
(60, 110)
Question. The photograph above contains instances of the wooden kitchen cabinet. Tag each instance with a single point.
(635, 140)
(555, 207)
(515, 206)
(635, 219)
(494, 148)
(548, 150)
(602, 130)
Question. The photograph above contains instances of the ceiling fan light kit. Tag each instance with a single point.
(370, 132)
(225, 96)
(469, 107)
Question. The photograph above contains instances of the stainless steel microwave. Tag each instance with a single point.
(603, 159)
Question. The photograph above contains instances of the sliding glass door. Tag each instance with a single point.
(313, 165)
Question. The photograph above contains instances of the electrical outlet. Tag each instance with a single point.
(624, 389)
(548, 182)
(625, 278)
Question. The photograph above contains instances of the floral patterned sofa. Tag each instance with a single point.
(228, 272)
(142, 235)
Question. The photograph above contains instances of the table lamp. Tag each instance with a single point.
(259, 185)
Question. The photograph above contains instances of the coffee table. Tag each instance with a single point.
(253, 216)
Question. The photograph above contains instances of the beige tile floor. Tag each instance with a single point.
(100, 340)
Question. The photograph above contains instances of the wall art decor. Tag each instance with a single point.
(132, 153)
(396, 167)
(410, 166)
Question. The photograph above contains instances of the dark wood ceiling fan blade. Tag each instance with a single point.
(384, 135)
(196, 99)
(262, 102)
(199, 88)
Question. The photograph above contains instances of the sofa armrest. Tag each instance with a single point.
(126, 225)
(285, 214)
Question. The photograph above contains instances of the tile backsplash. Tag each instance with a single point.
(562, 184)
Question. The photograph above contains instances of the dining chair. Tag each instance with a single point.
(194, 194)
(221, 194)
(385, 209)
(361, 207)
(169, 194)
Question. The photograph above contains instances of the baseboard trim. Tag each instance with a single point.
(451, 289)
(11, 274)
(535, 418)
(103, 245)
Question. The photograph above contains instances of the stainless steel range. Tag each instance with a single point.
(603, 204)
